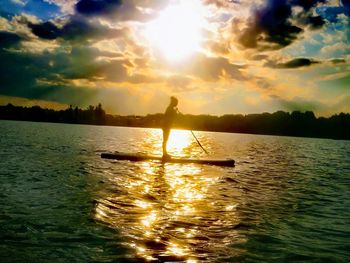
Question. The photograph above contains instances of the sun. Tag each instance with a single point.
(176, 32)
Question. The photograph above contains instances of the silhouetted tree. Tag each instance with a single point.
(279, 123)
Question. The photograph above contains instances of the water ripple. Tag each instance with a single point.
(287, 199)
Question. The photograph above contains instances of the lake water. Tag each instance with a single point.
(287, 199)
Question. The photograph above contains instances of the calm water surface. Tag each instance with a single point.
(287, 199)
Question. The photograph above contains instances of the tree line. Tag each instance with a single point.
(91, 115)
(296, 123)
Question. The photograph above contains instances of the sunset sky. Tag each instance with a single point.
(217, 56)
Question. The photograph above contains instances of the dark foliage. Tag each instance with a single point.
(91, 115)
(301, 124)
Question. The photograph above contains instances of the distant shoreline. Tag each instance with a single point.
(280, 123)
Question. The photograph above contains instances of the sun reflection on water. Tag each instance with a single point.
(169, 212)
(180, 143)
(179, 140)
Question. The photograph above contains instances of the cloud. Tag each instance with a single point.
(343, 105)
(76, 29)
(308, 20)
(340, 104)
(97, 47)
(340, 48)
(338, 60)
(71, 65)
(179, 83)
(46, 30)
(55, 76)
(8, 39)
(294, 63)
(19, 2)
(222, 3)
(118, 10)
(340, 81)
(332, 13)
(221, 47)
(259, 57)
(346, 5)
(298, 104)
(97, 7)
(274, 25)
(210, 68)
(306, 5)
(42, 8)
(46, 73)
(269, 28)
(262, 83)
(67, 6)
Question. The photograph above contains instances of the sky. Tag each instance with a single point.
(216, 56)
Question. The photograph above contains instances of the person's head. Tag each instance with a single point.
(173, 101)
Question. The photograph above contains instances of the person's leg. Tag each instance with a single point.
(166, 133)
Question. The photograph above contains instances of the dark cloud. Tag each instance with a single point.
(338, 61)
(259, 57)
(315, 22)
(8, 39)
(271, 26)
(117, 10)
(46, 30)
(346, 5)
(97, 7)
(76, 29)
(48, 75)
(294, 63)
(82, 63)
(19, 72)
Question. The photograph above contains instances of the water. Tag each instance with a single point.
(287, 199)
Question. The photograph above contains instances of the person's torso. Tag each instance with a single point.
(169, 116)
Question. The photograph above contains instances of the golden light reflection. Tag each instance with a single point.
(166, 211)
(178, 141)
(149, 220)
(180, 144)
(175, 249)
(142, 204)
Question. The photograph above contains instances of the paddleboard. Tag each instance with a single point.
(145, 157)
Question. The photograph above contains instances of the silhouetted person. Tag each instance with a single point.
(169, 116)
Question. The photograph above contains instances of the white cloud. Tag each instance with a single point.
(19, 2)
(335, 50)
(67, 6)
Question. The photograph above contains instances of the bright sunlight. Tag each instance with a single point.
(176, 32)
(178, 140)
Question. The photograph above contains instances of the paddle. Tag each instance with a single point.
(199, 142)
(195, 136)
